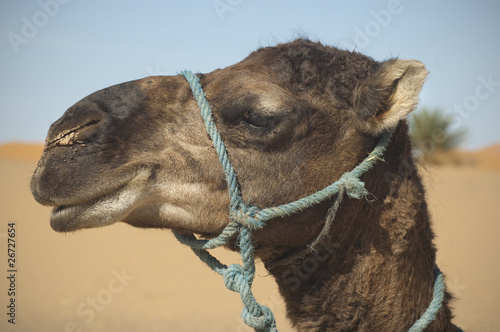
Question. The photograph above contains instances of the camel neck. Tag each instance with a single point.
(375, 269)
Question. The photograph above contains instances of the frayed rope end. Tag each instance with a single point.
(354, 187)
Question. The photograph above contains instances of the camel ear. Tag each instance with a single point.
(390, 93)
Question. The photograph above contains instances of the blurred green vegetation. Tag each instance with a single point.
(433, 136)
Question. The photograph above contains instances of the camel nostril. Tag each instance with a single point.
(88, 129)
(70, 136)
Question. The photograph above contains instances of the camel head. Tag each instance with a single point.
(293, 117)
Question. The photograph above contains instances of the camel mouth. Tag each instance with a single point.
(101, 210)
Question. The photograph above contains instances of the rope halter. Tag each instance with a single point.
(245, 218)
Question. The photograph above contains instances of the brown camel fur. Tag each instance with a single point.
(294, 118)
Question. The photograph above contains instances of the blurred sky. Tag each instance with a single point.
(55, 52)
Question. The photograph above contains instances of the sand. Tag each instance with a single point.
(120, 278)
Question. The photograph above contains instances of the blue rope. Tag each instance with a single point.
(437, 301)
(246, 218)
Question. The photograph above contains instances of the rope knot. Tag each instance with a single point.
(354, 187)
(265, 321)
(234, 278)
(247, 217)
(254, 314)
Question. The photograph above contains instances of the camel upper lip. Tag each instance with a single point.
(90, 200)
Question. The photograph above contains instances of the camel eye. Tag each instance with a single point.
(256, 120)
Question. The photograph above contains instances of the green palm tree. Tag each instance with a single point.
(431, 133)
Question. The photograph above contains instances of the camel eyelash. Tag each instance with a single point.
(257, 120)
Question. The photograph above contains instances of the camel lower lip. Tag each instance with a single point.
(66, 217)
(62, 211)
(102, 210)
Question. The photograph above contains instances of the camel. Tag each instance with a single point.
(293, 117)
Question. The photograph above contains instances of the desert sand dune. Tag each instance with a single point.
(119, 278)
